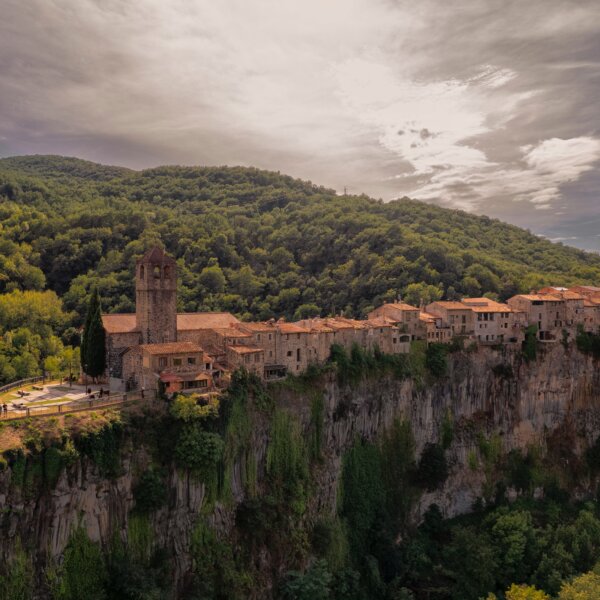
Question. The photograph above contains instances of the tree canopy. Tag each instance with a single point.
(253, 242)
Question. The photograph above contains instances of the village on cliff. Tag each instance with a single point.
(194, 352)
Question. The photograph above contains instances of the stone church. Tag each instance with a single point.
(156, 342)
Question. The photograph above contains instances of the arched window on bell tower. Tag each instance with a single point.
(156, 272)
(167, 272)
(142, 272)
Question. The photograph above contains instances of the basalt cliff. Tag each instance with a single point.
(551, 403)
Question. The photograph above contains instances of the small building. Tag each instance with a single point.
(546, 311)
(494, 322)
(250, 358)
(292, 347)
(455, 315)
(405, 316)
(181, 366)
(433, 329)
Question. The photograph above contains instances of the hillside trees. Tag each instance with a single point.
(254, 242)
(93, 339)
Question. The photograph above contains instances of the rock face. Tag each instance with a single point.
(490, 391)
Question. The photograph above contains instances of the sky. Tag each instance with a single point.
(489, 106)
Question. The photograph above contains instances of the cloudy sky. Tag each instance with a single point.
(486, 105)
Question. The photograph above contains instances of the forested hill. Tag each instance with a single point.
(254, 242)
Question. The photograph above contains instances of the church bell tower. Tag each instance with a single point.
(156, 297)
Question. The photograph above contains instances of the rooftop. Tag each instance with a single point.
(245, 349)
(450, 305)
(291, 328)
(400, 306)
(126, 322)
(171, 348)
(231, 332)
(486, 305)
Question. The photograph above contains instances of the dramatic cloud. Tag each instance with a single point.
(488, 105)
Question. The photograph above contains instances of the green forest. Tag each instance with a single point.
(253, 242)
(256, 243)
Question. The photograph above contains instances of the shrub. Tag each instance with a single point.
(150, 493)
(530, 343)
(435, 359)
(433, 469)
(198, 450)
(82, 574)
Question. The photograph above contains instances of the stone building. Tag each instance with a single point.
(546, 311)
(404, 315)
(494, 322)
(455, 315)
(191, 351)
(155, 320)
(180, 366)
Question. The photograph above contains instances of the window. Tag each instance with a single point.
(191, 360)
(142, 272)
(162, 361)
(207, 366)
(298, 354)
(176, 362)
(270, 335)
(258, 337)
(167, 272)
(257, 357)
(156, 272)
(270, 353)
(289, 352)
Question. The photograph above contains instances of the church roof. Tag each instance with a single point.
(119, 323)
(171, 348)
(126, 323)
(205, 320)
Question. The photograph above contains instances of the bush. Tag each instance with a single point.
(530, 343)
(433, 469)
(435, 359)
(198, 450)
(588, 343)
(82, 574)
(150, 493)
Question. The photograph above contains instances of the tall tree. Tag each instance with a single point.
(93, 354)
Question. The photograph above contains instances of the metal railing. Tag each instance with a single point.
(86, 404)
(21, 383)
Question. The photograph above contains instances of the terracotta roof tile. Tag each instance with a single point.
(119, 323)
(291, 328)
(450, 305)
(231, 332)
(171, 348)
(126, 323)
(401, 306)
(256, 326)
(485, 305)
(541, 297)
(245, 349)
(205, 320)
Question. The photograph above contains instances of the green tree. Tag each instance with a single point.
(17, 576)
(82, 574)
(584, 587)
(93, 341)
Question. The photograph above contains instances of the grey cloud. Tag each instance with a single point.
(198, 82)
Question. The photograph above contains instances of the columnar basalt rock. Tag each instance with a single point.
(522, 403)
